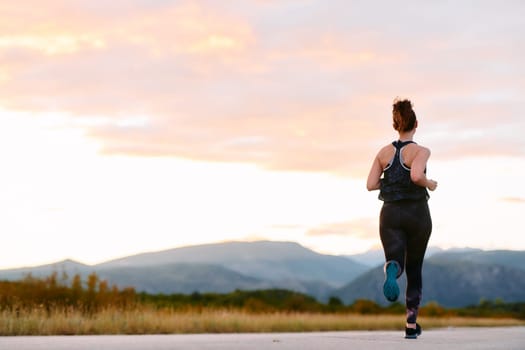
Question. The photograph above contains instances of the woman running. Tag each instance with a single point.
(404, 223)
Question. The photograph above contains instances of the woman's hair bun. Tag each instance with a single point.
(403, 105)
(403, 115)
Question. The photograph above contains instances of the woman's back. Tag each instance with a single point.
(408, 154)
(397, 183)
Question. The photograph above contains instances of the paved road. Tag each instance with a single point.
(446, 339)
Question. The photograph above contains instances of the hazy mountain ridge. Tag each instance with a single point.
(224, 267)
(509, 258)
(217, 268)
(375, 257)
(450, 284)
(68, 266)
(267, 260)
(181, 278)
(223, 252)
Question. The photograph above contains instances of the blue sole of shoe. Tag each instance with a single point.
(390, 288)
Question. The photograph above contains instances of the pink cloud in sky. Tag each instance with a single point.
(364, 228)
(516, 200)
(287, 85)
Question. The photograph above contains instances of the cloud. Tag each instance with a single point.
(286, 85)
(364, 228)
(517, 200)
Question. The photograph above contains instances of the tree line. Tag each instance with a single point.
(95, 294)
(53, 291)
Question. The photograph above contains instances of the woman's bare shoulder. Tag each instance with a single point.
(386, 149)
(423, 150)
(418, 152)
(385, 154)
(413, 151)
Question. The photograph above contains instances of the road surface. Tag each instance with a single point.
(510, 338)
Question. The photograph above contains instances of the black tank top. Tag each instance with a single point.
(396, 183)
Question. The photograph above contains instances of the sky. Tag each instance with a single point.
(143, 125)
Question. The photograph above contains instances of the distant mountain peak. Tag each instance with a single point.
(213, 252)
(225, 266)
(70, 262)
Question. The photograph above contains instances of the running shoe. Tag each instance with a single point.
(390, 288)
(413, 333)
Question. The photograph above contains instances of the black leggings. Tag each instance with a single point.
(405, 228)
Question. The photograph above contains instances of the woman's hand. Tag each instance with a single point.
(432, 184)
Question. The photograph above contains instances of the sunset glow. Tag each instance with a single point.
(146, 125)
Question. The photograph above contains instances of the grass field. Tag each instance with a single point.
(50, 306)
(40, 322)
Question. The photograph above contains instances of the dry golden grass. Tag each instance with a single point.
(149, 321)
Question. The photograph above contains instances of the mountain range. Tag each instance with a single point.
(449, 283)
(474, 274)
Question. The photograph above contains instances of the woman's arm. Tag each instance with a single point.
(417, 169)
(374, 182)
